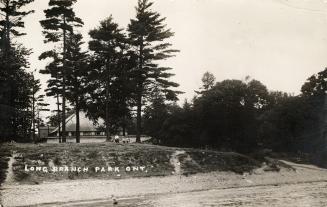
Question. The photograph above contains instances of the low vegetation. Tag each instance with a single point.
(155, 159)
(4, 158)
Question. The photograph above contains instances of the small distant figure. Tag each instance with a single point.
(126, 140)
(117, 139)
(114, 200)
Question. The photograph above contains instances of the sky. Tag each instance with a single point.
(279, 42)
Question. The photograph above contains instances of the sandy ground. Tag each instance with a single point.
(307, 186)
(287, 195)
(291, 195)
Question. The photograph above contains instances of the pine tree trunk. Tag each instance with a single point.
(38, 127)
(139, 118)
(6, 47)
(64, 87)
(124, 126)
(64, 112)
(59, 127)
(107, 112)
(78, 138)
(7, 40)
(139, 97)
(33, 115)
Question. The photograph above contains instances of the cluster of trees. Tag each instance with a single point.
(242, 115)
(119, 77)
(118, 73)
(112, 80)
(19, 103)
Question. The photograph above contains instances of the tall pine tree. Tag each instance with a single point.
(60, 21)
(148, 34)
(12, 14)
(14, 80)
(77, 62)
(36, 87)
(108, 44)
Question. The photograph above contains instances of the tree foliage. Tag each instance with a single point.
(60, 22)
(15, 82)
(148, 35)
(110, 76)
(244, 116)
(77, 76)
(208, 81)
(316, 85)
(12, 13)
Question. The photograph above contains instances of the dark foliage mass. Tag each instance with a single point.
(110, 76)
(15, 83)
(242, 116)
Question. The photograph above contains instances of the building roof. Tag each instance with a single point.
(86, 124)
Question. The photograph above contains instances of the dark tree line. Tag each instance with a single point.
(243, 116)
(17, 86)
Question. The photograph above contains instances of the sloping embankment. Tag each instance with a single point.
(34, 164)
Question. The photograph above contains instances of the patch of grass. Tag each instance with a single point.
(5, 153)
(21, 176)
(320, 159)
(155, 159)
(92, 155)
(3, 169)
(56, 161)
(210, 161)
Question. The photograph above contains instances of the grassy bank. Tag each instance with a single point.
(157, 161)
(5, 153)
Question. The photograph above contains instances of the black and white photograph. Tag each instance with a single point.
(163, 103)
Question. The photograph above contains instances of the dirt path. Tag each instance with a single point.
(303, 166)
(10, 172)
(174, 160)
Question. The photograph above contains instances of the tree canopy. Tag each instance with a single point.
(59, 23)
(148, 34)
